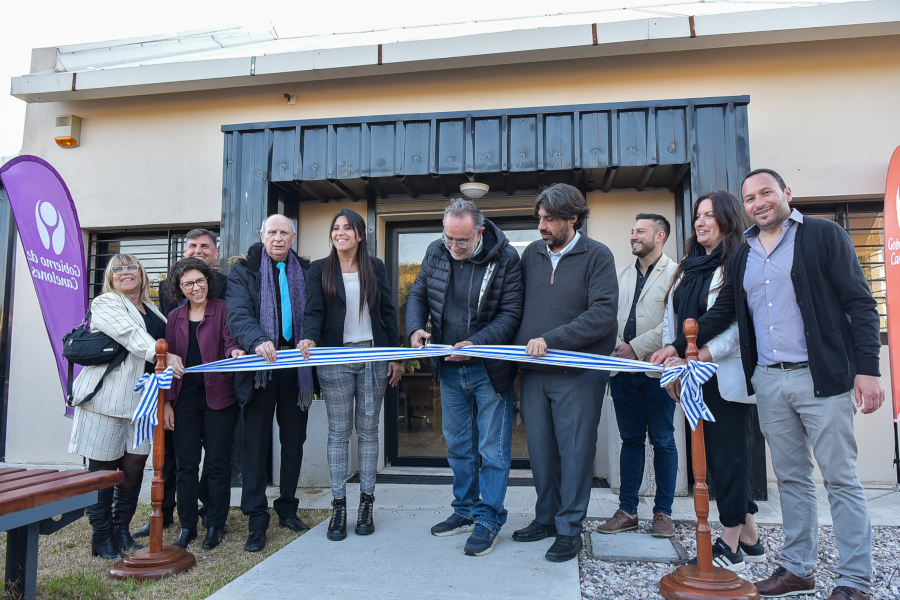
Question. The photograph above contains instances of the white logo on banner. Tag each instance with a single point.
(898, 206)
(48, 218)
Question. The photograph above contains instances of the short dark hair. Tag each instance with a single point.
(754, 172)
(662, 223)
(563, 201)
(193, 234)
(184, 265)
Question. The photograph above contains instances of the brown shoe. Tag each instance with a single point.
(620, 521)
(662, 526)
(842, 592)
(784, 583)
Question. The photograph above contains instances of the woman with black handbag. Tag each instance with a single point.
(349, 304)
(103, 431)
(201, 408)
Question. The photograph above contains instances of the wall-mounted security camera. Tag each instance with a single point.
(290, 99)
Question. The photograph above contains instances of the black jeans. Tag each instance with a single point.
(727, 442)
(278, 399)
(199, 427)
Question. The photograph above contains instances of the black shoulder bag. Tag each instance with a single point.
(86, 348)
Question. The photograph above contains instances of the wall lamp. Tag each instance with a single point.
(67, 132)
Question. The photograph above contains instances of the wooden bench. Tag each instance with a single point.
(29, 501)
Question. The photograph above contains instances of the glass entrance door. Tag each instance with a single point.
(413, 415)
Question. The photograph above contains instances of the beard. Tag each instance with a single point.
(557, 241)
(642, 250)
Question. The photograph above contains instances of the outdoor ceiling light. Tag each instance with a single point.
(474, 190)
(67, 132)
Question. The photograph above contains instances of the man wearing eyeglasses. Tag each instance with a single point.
(202, 244)
(470, 285)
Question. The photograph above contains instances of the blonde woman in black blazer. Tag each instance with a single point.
(349, 304)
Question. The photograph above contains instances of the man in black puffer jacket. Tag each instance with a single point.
(471, 287)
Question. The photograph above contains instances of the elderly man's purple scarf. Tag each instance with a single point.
(269, 320)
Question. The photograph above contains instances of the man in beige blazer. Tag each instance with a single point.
(642, 407)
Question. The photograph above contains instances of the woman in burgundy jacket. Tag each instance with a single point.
(201, 408)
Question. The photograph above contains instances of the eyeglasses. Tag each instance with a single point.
(462, 245)
(130, 268)
(189, 285)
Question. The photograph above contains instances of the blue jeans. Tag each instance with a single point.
(478, 432)
(643, 408)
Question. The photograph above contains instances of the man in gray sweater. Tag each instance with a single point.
(571, 299)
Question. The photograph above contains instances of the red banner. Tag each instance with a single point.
(892, 272)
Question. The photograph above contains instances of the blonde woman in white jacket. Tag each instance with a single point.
(719, 223)
(102, 430)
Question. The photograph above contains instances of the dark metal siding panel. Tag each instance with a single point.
(418, 138)
(451, 146)
(314, 153)
(382, 149)
(632, 138)
(523, 143)
(559, 145)
(348, 151)
(595, 140)
(671, 135)
(742, 146)
(245, 198)
(488, 146)
(711, 151)
(283, 154)
(231, 216)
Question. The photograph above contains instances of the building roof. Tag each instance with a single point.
(259, 55)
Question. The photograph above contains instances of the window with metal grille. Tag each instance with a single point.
(157, 251)
(864, 221)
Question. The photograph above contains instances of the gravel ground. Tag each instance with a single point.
(635, 580)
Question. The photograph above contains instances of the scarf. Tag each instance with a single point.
(696, 269)
(269, 320)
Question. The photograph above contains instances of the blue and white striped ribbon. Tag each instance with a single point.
(145, 414)
(692, 375)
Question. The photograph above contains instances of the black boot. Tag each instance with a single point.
(337, 527)
(100, 517)
(187, 536)
(214, 537)
(144, 531)
(365, 524)
(123, 510)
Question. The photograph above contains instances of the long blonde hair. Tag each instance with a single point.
(121, 260)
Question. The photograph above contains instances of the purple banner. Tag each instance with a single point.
(51, 237)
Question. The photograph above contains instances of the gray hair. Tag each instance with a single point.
(193, 234)
(262, 228)
(563, 201)
(461, 207)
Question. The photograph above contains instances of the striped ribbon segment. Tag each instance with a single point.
(692, 375)
(145, 413)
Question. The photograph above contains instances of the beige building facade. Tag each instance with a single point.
(822, 112)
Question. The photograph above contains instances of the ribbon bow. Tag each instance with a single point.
(693, 375)
(145, 414)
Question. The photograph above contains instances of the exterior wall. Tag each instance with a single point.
(157, 160)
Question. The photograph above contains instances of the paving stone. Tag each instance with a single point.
(632, 546)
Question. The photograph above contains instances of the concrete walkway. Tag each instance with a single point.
(402, 559)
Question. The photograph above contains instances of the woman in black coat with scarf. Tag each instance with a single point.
(349, 304)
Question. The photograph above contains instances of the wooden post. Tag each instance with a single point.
(703, 580)
(158, 561)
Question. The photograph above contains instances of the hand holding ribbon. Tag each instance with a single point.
(692, 376)
(145, 415)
